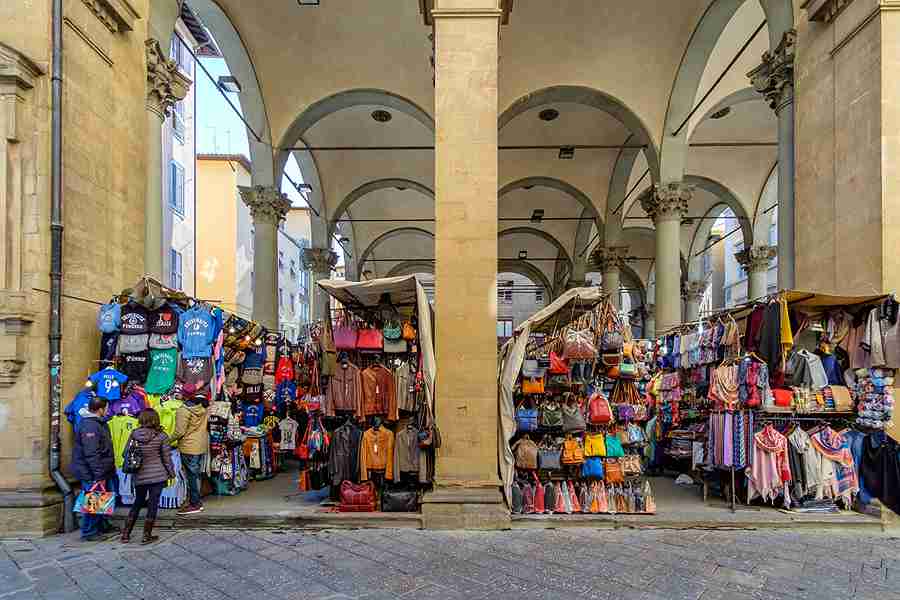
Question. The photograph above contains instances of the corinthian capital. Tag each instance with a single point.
(266, 203)
(319, 260)
(608, 258)
(756, 258)
(667, 201)
(774, 78)
(695, 289)
(165, 83)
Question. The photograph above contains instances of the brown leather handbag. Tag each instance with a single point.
(526, 452)
(612, 471)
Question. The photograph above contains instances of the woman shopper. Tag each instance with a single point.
(156, 469)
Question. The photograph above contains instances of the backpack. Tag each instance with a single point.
(134, 457)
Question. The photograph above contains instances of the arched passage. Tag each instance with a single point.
(372, 186)
(392, 234)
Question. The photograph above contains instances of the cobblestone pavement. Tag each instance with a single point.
(421, 565)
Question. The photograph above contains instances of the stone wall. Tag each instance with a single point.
(103, 191)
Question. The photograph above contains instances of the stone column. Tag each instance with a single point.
(693, 298)
(268, 207)
(774, 79)
(650, 321)
(320, 262)
(756, 261)
(609, 260)
(165, 86)
(467, 487)
(578, 278)
(666, 204)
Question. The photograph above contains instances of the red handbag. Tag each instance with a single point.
(357, 497)
(558, 365)
(369, 339)
(599, 412)
(783, 398)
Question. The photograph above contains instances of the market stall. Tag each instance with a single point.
(571, 377)
(787, 400)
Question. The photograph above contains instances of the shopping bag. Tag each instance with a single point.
(95, 501)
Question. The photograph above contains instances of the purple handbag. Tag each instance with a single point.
(345, 336)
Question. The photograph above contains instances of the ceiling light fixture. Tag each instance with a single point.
(548, 114)
(308, 2)
(382, 116)
(721, 114)
(523, 254)
(538, 215)
(344, 240)
(527, 187)
(567, 153)
(303, 187)
(229, 83)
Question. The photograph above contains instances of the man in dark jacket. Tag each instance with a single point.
(92, 461)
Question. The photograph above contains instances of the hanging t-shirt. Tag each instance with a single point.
(135, 319)
(167, 412)
(120, 429)
(80, 401)
(284, 371)
(109, 317)
(288, 428)
(136, 365)
(252, 414)
(164, 320)
(131, 404)
(108, 344)
(252, 394)
(108, 383)
(195, 372)
(163, 366)
(196, 333)
(129, 344)
(163, 341)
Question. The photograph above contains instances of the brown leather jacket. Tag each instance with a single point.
(379, 397)
(344, 391)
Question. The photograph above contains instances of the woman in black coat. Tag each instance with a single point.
(156, 469)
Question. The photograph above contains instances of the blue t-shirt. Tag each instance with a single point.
(254, 359)
(253, 414)
(108, 383)
(80, 401)
(196, 333)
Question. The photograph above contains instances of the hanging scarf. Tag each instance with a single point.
(771, 441)
(834, 447)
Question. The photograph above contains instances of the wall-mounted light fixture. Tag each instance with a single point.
(523, 254)
(229, 83)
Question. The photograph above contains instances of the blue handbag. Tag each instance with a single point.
(526, 419)
(592, 467)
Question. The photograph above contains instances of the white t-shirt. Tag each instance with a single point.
(288, 429)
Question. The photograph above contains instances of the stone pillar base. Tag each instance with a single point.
(30, 514)
(464, 508)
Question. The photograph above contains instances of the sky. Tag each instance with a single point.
(221, 131)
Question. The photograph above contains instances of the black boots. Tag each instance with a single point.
(149, 538)
(126, 530)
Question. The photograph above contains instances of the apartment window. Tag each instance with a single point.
(504, 328)
(304, 282)
(707, 263)
(539, 296)
(293, 304)
(178, 126)
(293, 270)
(728, 296)
(280, 260)
(176, 189)
(252, 240)
(181, 56)
(505, 292)
(176, 280)
(280, 297)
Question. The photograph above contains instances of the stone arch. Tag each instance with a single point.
(562, 186)
(701, 235)
(371, 186)
(339, 101)
(728, 198)
(773, 172)
(589, 97)
(541, 234)
(387, 235)
(527, 269)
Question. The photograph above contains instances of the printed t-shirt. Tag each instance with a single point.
(195, 372)
(131, 404)
(109, 317)
(120, 429)
(196, 332)
(108, 383)
(252, 414)
(80, 401)
(164, 320)
(129, 344)
(167, 412)
(136, 365)
(135, 319)
(288, 429)
(163, 365)
(109, 342)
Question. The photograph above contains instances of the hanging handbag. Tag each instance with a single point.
(95, 501)
(526, 419)
(409, 332)
(649, 501)
(573, 453)
(526, 453)
(579, 345)
(551, 415)
(573, 420)
(369, 339)
(614, 446)
(631, 465)
(516, 505)
(400, 501)
(549, 498)
(558, 365)
(392, 331)
(345, 336)
(627, 370)
(592, 468)
(538, 506)
(595, 444)
(532, 369)
(395, 346)
(612, 471)
(599, 412)
(549, 458)
(533, 386)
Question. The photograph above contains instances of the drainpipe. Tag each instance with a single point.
(56, 240)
